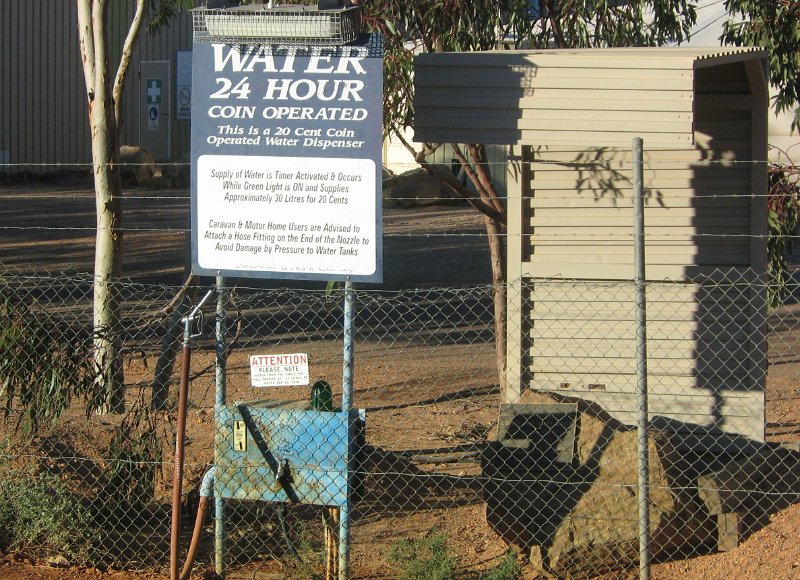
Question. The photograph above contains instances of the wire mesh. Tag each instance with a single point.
(556, 472)
(287, 25)
(544, 464)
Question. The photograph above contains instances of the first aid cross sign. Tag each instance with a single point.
(153, 91)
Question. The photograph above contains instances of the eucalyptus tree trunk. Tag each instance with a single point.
(109, 387)
(104, 98)
(487, 200)
(495, 223)
(497, 256)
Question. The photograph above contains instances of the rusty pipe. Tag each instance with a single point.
(180, 435)
(177, 479)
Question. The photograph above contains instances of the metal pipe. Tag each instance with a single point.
(193, 314)
(202, 508)
(220, 400)
(643, 468)
(347, 407)
(177, 479)
(349, 353)
(207, 483)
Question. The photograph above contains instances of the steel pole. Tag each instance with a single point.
(643, 467)
(347, 364)
(219, 400)
(347, 407)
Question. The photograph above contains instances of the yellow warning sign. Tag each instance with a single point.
(239, 436)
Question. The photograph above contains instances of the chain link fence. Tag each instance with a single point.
(440, 458)
(556, 473)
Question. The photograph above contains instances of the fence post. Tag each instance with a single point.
(643, 468)
(219, 400)
(348, 357)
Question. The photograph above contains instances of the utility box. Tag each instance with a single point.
(570, 116)
(281, 451)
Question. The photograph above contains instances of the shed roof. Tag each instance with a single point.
(577, 96)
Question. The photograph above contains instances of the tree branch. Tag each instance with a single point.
(86, 40)
(468, 170)
(490, 206)
(170, 306)
(125, 59)
(99, 8)
(449, 180)
(428, 149)
(409, 147)
(479, 155)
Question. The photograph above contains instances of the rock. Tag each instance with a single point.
(138, 166)
(177, 174)
(417, 188)
(58, 561)
(583, 515)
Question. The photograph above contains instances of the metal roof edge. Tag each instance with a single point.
(690, 57)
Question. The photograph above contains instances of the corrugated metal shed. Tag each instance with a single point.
(43, 119)
(586, 96)
(42, 116)
(703, 116)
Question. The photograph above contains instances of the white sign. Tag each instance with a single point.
(183, 84)
(286, 160)
(152, 117)
(279, 370)
(286, 214)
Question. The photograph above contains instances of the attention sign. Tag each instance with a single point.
(286, 151)
(279, 370)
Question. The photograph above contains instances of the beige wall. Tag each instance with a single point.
(571, 317)
(711, 15)
(571, 313)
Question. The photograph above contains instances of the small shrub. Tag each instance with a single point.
(507, 569)
(40, 517)
(43, 367)
(301, 560)
(423, 559)
(783, 218)
(134, 460)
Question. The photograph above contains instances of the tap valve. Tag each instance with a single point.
(282, 475)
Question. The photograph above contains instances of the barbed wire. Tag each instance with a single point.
(572, 161)
(446, 200)
(426, 235)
